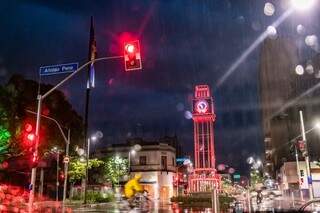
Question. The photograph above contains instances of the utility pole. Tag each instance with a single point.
(298, 171)
(90, 84)
(306, 156)
(66, 168)
(57, 176)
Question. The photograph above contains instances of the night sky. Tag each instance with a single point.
(184, 43)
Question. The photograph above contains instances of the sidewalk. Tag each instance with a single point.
(73, 204)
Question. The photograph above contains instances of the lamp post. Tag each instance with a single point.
(93, 138)
(57, 152)
(67, 141)
(133, 150)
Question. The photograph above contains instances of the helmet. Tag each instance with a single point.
(137, 176)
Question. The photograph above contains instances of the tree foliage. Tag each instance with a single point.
(77, 168)
(20, 95)
(256, 178)
(4, 141)
(116, 168)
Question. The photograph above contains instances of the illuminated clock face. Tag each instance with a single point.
(202, 106)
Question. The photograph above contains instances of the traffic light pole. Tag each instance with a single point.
(66, 168)
(309, 178)
(35, 155)
(298, 171)
(87, 170)
(40, 99)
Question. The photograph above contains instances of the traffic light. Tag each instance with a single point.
(132, 56)
(301, 173)
(302, 147)
(61, 175)
(31, 137)
(28, 127)
(28, 135)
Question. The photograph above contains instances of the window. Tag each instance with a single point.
(143, 160)
(172, 161)
(164, 162)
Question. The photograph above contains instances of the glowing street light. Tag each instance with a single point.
(259, 163)
(94, 137)
(250, 160)
(136, 148)
(133, 152)
(302, 5)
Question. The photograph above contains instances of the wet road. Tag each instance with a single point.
(161, 208)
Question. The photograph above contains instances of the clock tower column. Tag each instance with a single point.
(204, 177)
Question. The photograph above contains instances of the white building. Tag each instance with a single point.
(155, 162)
(289, 178)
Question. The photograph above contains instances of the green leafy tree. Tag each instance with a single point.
(4, 142)
(255, 178)
(116, 168)
(19, 95)
(77, 168)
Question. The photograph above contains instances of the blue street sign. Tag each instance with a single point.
(309, 180)
(181, 159)
(58, 69)
(236, 176)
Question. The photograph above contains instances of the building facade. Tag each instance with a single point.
(290, 179)
(282, 94)
(155, 161)
(278, 59)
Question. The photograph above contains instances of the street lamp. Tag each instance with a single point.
(302, 5)
(93, 138)
(133, 150)
(57, 151)
(66, 138)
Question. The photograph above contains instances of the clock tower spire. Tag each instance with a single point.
(204, 177)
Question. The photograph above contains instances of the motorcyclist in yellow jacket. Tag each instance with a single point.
(133, 186)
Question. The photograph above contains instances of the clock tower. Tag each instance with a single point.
(204, 177)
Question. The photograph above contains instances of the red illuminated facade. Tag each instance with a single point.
(204, 177)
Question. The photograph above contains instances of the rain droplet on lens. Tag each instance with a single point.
(301, 29)
(299, 69)
(272, 32)
(268, 9)
(256, 26)
(180, 107)
(309, 69)
(188, 115)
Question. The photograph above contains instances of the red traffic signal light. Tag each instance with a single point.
(132, 56)
(28, 135)
(28, 127)
(31, 137)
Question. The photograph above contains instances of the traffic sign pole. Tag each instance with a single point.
(303, 133)
(40, 99)
(66, 167)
